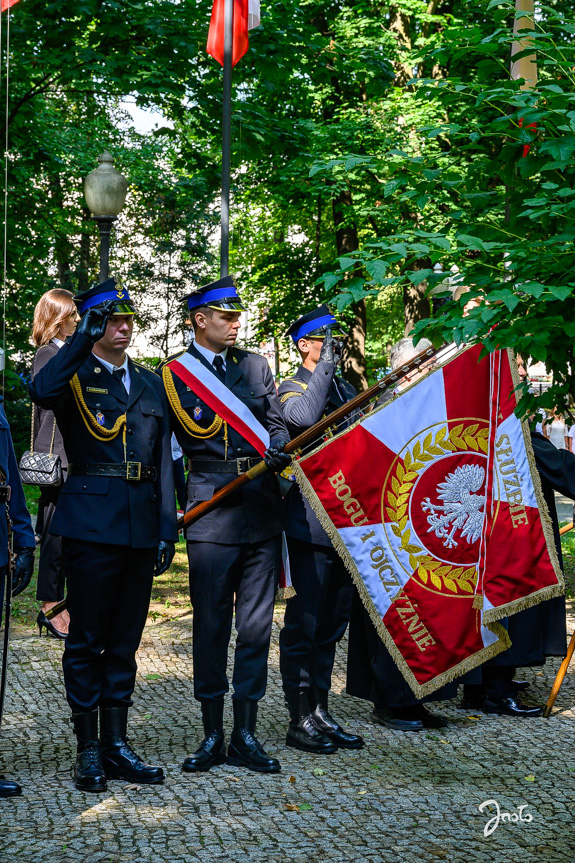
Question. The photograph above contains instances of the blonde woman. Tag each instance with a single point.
(55, 319)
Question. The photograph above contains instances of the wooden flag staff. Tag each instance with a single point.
(308, 436)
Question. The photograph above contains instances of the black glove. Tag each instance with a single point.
(22, 569)
(166, 552)
(275, 458)
(94, 322)
(331, 350)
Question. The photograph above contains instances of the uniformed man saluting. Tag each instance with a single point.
(317, 616)
(235, 550)
(117, 517)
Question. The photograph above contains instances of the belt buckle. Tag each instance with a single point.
(243, 465)
(133, 470)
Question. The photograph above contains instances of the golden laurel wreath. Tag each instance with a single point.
(441, 575)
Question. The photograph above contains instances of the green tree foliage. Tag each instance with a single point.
(501, 213)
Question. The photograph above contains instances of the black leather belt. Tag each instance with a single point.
(131, 470)
(236, 466)
(5, 491)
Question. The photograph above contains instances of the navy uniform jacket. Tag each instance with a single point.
(21, 526)
(103, 508)
(253, 514)
(305, 398)
(541, 631)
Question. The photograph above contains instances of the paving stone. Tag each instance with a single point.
(411, 798)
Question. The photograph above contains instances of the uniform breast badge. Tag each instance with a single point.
(197, 413)
(100, 418)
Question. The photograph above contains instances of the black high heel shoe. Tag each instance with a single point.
(42, 620)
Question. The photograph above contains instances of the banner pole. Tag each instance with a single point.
(226, 138)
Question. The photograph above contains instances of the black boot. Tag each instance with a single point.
(328, 726)
(212, 749)
(245, 750)
(302, 732)
(89, 774)
(8, 788)
(119, 759)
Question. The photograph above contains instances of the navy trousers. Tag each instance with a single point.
(316, 617)
(109, 588)
(218, 573)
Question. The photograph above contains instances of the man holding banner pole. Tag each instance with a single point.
(317, 616)
(226, 416)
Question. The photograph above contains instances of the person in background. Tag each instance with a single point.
(556, 431)
(55, 319)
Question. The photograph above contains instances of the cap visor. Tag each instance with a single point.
(231, 305)
(123, 309)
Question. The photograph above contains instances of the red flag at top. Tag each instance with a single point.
(6, 4)
(215, 45)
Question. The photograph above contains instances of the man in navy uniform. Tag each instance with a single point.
(13, 503)
(117, 517)
(317, 616)
(236, 548)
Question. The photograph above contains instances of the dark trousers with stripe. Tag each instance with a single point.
(109, 588)
(219, 574)
(316, 617)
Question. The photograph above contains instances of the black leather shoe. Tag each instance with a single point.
(212, 749)
(328, 726)
(9, 788)
(432, 720)
(510, 707)
(520, 685)
(302, 732)
(89, 774)
(245, 750)
(118, 758)
(398, 718)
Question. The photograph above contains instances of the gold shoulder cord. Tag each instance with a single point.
(185, 419)
(100, 432)
(288, 395)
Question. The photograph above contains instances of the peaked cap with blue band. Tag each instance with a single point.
(108, 290)
(314, 325)
(221, 295)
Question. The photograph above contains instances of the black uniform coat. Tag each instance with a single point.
(305, 398)
(253, 514)
(107, 509)
(23, 534)
(44, 419)
(541, 631)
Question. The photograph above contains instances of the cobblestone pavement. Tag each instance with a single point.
(404, 797)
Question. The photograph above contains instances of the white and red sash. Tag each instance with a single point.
(207, 386)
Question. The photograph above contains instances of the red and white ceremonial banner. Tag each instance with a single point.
(221, 400)
(435, 505)
(7, 4)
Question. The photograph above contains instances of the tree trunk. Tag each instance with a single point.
(347, 241)
(417, 305)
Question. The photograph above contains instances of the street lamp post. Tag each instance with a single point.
(105, 191)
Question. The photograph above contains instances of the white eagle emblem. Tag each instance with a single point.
(462, 509)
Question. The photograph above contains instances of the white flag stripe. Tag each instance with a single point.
(515, 466)
(400, 421)
(253, 14)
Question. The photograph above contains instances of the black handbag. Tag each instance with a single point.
(40, 468)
